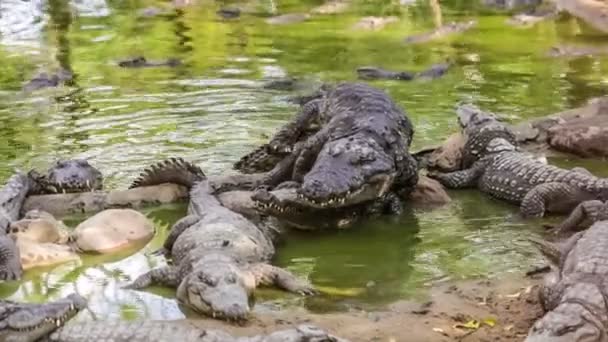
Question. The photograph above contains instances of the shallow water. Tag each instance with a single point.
(212, 109)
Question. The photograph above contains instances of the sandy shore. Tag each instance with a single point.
(509, 304)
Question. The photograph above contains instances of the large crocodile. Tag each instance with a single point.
(219, 257)
(63, 176)
(574, 294)
(183, 331)
(358, 153)
(26, 322)
(501, 170)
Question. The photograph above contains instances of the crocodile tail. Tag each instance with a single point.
(259, 160)
(172, 170)
(548, 249)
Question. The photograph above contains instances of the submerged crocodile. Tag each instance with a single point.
(358, 154)
(219, 257)
(185, 331)
(574, 294)
(25, 322)
(375, 73)
(501, 170)
(63, 176)
(142, 62)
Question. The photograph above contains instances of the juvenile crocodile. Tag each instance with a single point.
(501, 170)
(359, 153)
(64, 176)
(218, 256)
(142, 62)
(26, 322)
(184, 331)
(375, 73)
(574, 294)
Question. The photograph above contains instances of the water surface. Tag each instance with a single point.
(212, 109)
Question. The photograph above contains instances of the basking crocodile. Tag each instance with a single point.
(183, 331)
(501, 170)
(25, 322)
(218, 256)
(63, 176)
(358, 154)
(574, 294)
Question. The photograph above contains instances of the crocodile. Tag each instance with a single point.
(186, 331)
(44, 80)
(25, 322)
(63, 176)
(500, 169)
(574, 293)
(358, 154)
(218, 256)
(142, 62)
(374, 73)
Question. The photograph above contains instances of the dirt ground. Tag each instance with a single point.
(510, 303)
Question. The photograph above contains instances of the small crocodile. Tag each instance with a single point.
(26, 322)
(63, 176)
(501, 170)
(183, 331)
(142, 62)
(358, 154)
(574, 294)
(375, 73)
(219, 257)
(44, 80)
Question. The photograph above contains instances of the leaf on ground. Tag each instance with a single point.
(472, 324)
(490, 321)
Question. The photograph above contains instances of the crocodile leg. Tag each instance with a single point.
(309, 153)
(285, 138)
(539, 200)
(10, 263)
(166, 276)
(584, 211)
(283, 170)
(459, 179)
(268, 275)
(178, 228)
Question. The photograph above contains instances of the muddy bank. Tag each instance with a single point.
(509, 304)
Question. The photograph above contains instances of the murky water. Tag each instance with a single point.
(212, 109)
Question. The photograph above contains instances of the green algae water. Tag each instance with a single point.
(212, 109)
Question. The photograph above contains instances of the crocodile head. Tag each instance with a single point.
(484, 134)
(216, 287)
(285, 205)
(348, 171)
(568, 322)
(75, 175)
(30, 322)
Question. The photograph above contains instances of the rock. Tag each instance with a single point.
(594, 13)
(441, 32)
(229, 12)
(35, 254)
(39, 226)
(429, 192)
(112, 230)
(291, 18)
(448, 156)
(585, 137)
(332, 7)
(373, 23)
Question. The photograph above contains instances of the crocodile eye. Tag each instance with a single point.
(82, 162)
(60, 164)
(207, 280)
